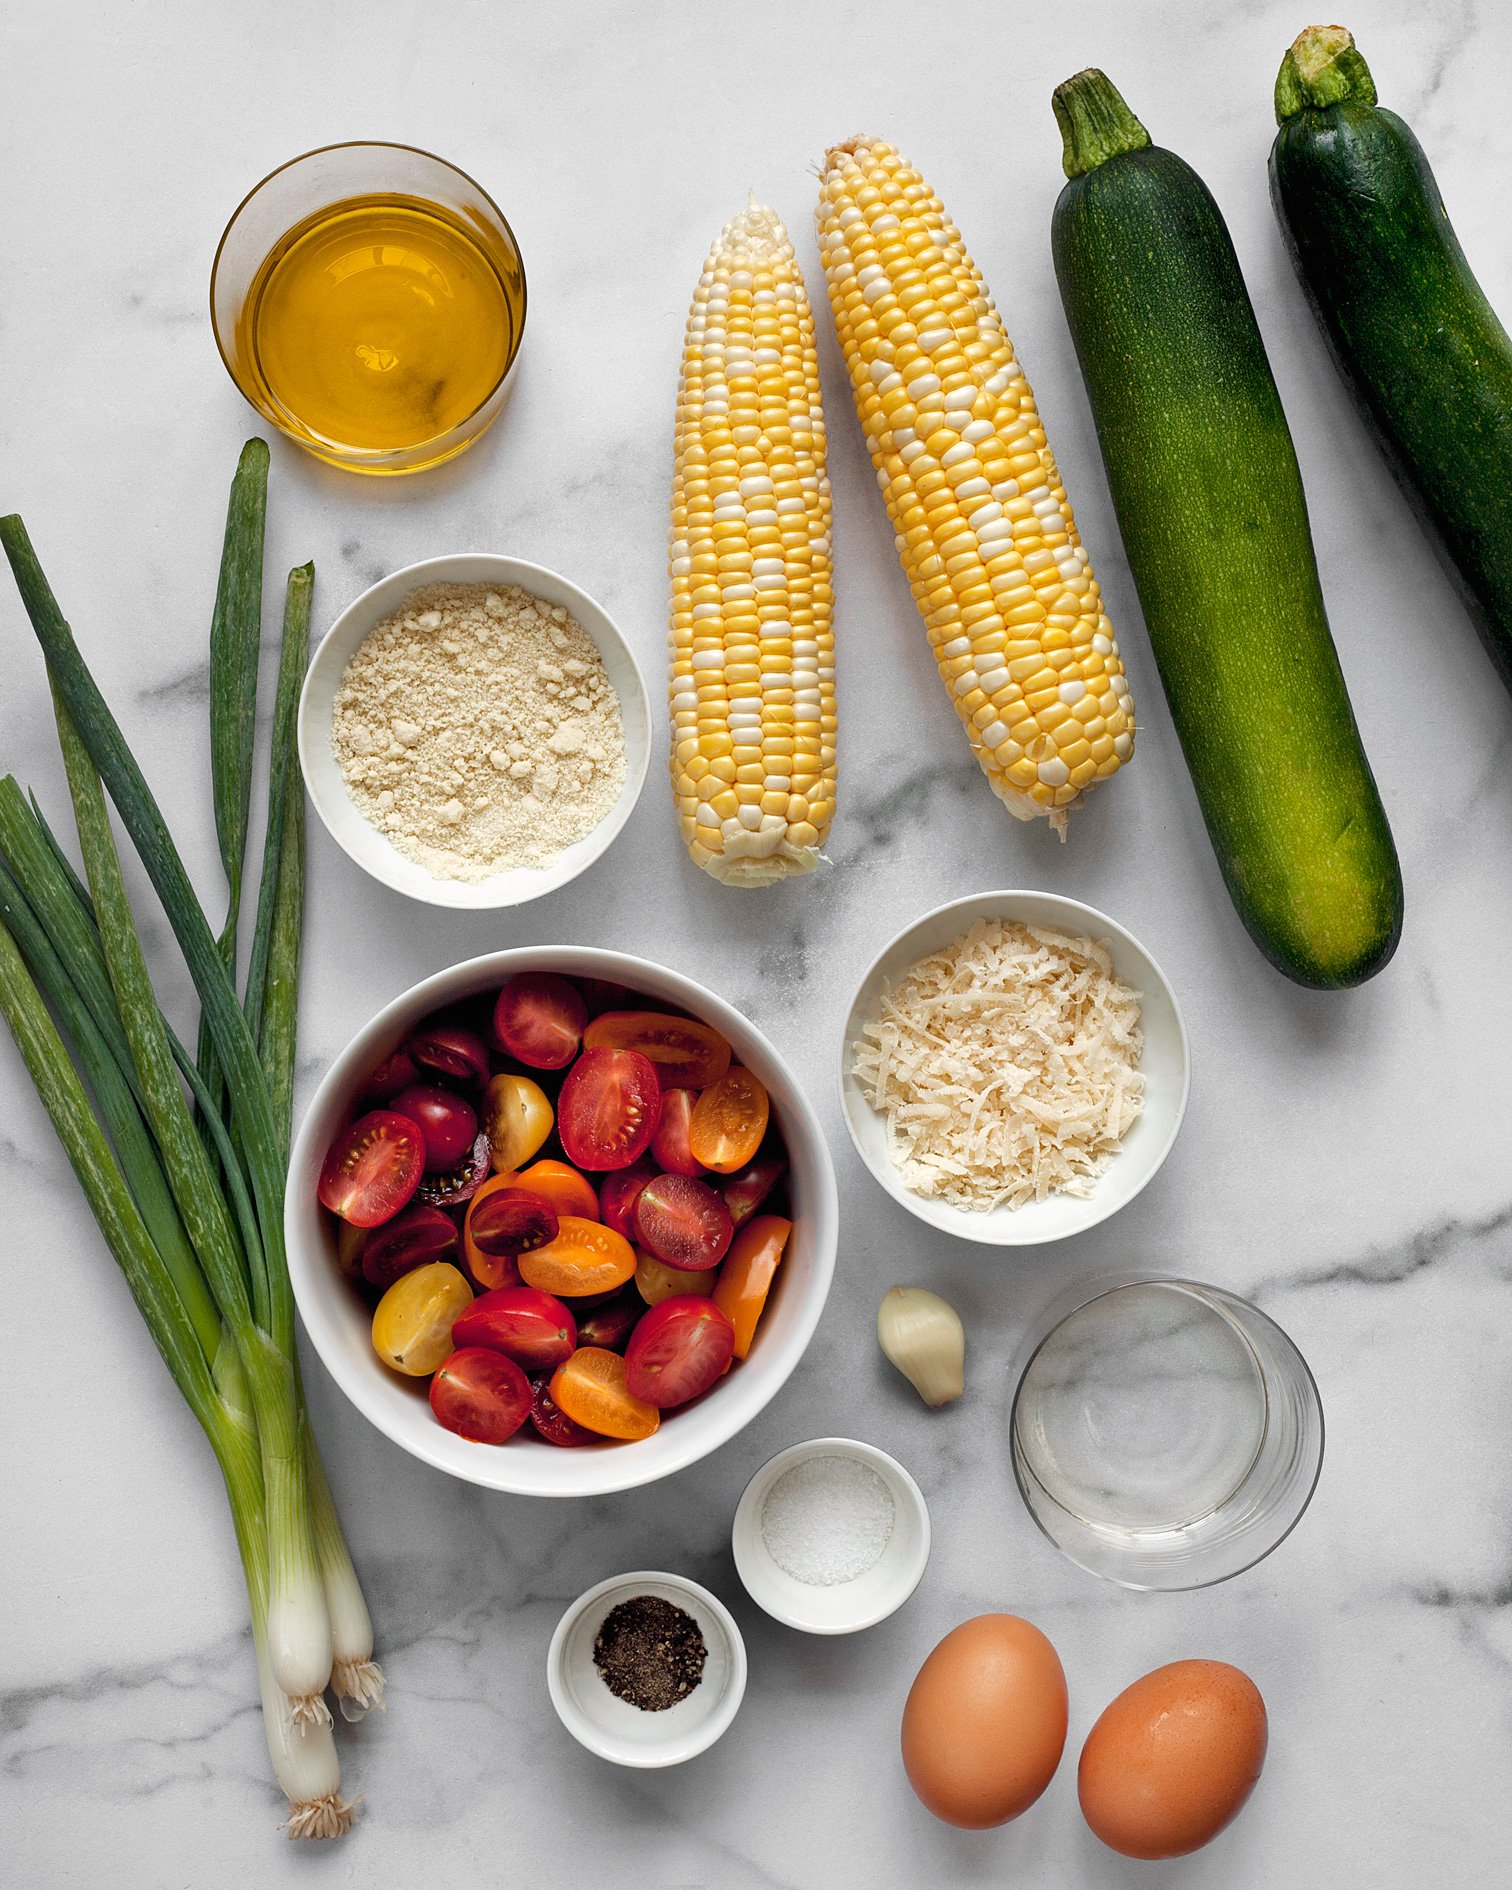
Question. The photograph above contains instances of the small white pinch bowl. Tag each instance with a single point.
(350, 828)
(1165, 1065)
(842, 1607)
(612, 1727)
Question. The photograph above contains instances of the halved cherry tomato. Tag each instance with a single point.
(350, 1242)
(448, 1121)
(677, 1351)
(610, 1323)
(450, 1187)
(566, 1190)
(656, 1281)
(585, 1257)
(590, 1389)
(687, 1054)
(539, 1020)
(729, 1120)
(608, 1109)
(512, 1221)
(450, 1050)
(745, 1279)
(617, 1194)
(481, 1395)
(745, 1192)
(533, 1328)
(397, 1071)
(488, 1269)
(670, 1147)
(517, 1118)
(553, 1423)
(415, 1237)
(412, 1322)
(373, 1168)
(683, 1221)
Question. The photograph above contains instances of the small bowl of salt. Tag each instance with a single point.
(831, 1536)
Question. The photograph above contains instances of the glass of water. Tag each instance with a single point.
(1166, 1435)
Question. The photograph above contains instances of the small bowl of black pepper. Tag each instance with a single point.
(647, 1669)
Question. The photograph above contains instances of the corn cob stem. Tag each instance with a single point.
(752, 653)
(983, 526)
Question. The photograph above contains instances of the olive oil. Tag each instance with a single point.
(381, 324)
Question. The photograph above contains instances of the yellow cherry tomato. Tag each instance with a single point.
(729, 1120)
(656, 1281)
(412, 1322)
(518, 1118)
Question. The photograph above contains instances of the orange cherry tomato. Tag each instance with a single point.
(729, 1121)
(489, 1269)
(566, 1190)
(745, 1279)
(687, 1054)
(656, 1281)
(585, 1257)
(591, 1390)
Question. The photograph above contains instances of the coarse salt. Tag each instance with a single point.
(827, 1520)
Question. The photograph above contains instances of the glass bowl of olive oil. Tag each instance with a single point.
(369, 300)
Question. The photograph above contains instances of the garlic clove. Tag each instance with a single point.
(923, 1336)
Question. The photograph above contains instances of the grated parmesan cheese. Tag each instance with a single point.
(1006, 1066)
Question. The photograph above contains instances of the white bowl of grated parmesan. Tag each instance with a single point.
(474, 731)
(1014, 1068)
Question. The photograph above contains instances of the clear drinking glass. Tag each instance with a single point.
(1165, 1435)
(294, 199)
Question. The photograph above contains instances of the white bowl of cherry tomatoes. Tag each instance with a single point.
(560, 1221)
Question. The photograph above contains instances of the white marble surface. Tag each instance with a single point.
(1344, 1160)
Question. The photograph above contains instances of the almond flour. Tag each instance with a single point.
(477, 729)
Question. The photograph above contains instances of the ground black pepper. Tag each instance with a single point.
(650, 1653)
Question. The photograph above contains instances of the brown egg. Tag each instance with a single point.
(1173, 1759)
(985, 1722)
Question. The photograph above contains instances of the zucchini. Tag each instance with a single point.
(1415, 339)
(1209, 500)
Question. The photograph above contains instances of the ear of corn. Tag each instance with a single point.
(983, 525)
(752, 651)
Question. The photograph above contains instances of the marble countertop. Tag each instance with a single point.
(1344, 1160)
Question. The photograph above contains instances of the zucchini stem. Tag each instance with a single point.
(1323, 66)
(1095, 122)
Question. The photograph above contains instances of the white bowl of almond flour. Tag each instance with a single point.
(474, 731)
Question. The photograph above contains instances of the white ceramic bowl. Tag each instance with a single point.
(610, 1726)
(355, 834)
(339, 1322)
(841, 1607)
(1165, 1064)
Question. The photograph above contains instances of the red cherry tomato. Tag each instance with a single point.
(415, 1237)
(608, 1109)
(450, 1187)
(617, 1196)
(481, 1395)
(448, 1122)
(373, 1168)
(602, 994)
(745, 1192)
(687, 1054)
(512, 1221)
(450, 1050)
(394, 1073)
(609, 1325)
(533, 1328)
(671, 1148)
(553, 1423)
(539, 1020)
(683, 1221)
(677, 1351)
